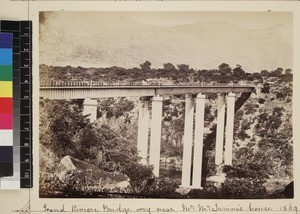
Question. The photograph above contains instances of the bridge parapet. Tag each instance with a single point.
(58, 90)
(96, 84)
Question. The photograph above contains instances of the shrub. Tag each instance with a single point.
(208, 192)
(261, 101)
(143, 182)
(239, 188)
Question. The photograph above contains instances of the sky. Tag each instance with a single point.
(254, 20)
(203, 40)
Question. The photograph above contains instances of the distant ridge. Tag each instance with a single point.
(125, 42)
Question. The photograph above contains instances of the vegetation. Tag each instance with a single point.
(182, 74)
(263, 149)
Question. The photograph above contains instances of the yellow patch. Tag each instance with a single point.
(6, 89)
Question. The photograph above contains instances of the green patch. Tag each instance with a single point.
(5, 73)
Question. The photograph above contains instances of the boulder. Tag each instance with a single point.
(99, 179)
(217, 180)
(183, 191)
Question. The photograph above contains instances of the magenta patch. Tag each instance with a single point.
(6, 121)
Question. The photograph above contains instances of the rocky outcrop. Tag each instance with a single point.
(217, 180)
(69, 164)
(97, 178)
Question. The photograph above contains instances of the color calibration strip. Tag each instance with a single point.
(6, 105)
(22, 104)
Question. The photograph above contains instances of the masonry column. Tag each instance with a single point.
(155, 137)
(220, 129)
(90, 108)
(187, 141)
(198, 141)
(143, 129)
(229, 128)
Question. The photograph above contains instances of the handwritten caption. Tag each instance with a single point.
(185, 208)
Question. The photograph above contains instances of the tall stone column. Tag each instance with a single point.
(198, 141)
(229, 128)
(90, 108)
(220, 129)
(155, 137)
(187, 141)
(143, 129)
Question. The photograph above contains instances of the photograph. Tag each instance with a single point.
(168, 104)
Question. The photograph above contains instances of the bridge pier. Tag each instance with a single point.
(198, 141)
(143, 129)
(192, 158)
(155, 137)
(230, 103)
(90, 108)
(229, 128)
(220, 129)
(187, 141)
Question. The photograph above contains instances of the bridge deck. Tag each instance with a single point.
(102, 91)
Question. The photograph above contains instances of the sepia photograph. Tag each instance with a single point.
(179, 105)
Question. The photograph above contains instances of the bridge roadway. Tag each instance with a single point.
(64, 91)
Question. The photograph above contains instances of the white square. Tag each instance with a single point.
(6, 138)
(9, 183)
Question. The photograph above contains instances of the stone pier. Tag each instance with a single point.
(187, 141)
(143, 129)
(155, 137)
(229, 128)
(90, 108)
(198, 141)
(220, 129)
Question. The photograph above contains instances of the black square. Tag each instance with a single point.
(6, 169)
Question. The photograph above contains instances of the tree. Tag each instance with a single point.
(183, 67)
(265, 73)
(288, 71)
(225, 69)
(238, 72)
(277, 72)
(123, 107)
(146, 65)
(266, 88)
(288, 75)
(58, 132)
(169, 66)
(256, 75)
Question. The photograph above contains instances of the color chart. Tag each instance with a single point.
(21, 102)
(6, 105)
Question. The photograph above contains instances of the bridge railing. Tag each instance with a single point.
(100, 84)
(86, 83)
(92, 84)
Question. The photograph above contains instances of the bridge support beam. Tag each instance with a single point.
(229, 128)
(143, 129)
(187, 141)
(198, 141)
(155, 137)
(220, 129)
(90, 108)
